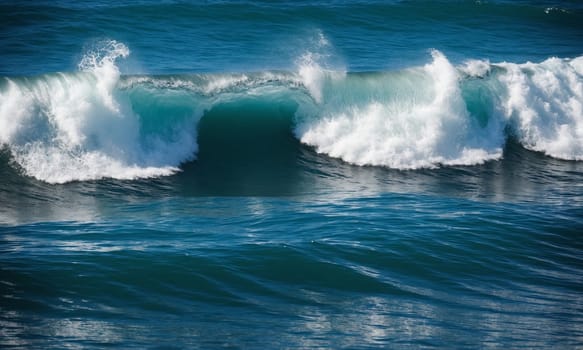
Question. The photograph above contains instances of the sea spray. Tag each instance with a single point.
(316, 67)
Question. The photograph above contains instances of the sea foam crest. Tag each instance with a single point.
(544, 105)
(67, 127)
(313, 67)
(421, 122)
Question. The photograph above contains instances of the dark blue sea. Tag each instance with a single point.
(291, 174)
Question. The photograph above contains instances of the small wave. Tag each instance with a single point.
(97, 123)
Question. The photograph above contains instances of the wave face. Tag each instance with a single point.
(97, 123)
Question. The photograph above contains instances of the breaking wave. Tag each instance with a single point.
(97, 123)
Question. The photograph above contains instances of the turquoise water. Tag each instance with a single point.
(323, 174)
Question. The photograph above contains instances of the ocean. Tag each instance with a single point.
(291, 174)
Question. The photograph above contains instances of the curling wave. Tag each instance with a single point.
(97, 123)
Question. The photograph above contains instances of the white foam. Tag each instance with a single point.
(55, 165)
(69, 127)
(476, 68)
(101, 62)
(424, 126)
(15, 112)
(544, 105)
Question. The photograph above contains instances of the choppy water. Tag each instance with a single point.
(322, 174)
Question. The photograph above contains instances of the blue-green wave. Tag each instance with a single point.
(97, 123)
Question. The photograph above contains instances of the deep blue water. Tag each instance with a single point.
(319, 174)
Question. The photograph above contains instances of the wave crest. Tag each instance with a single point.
(420, 121)
(545, 104)
(76, 126)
